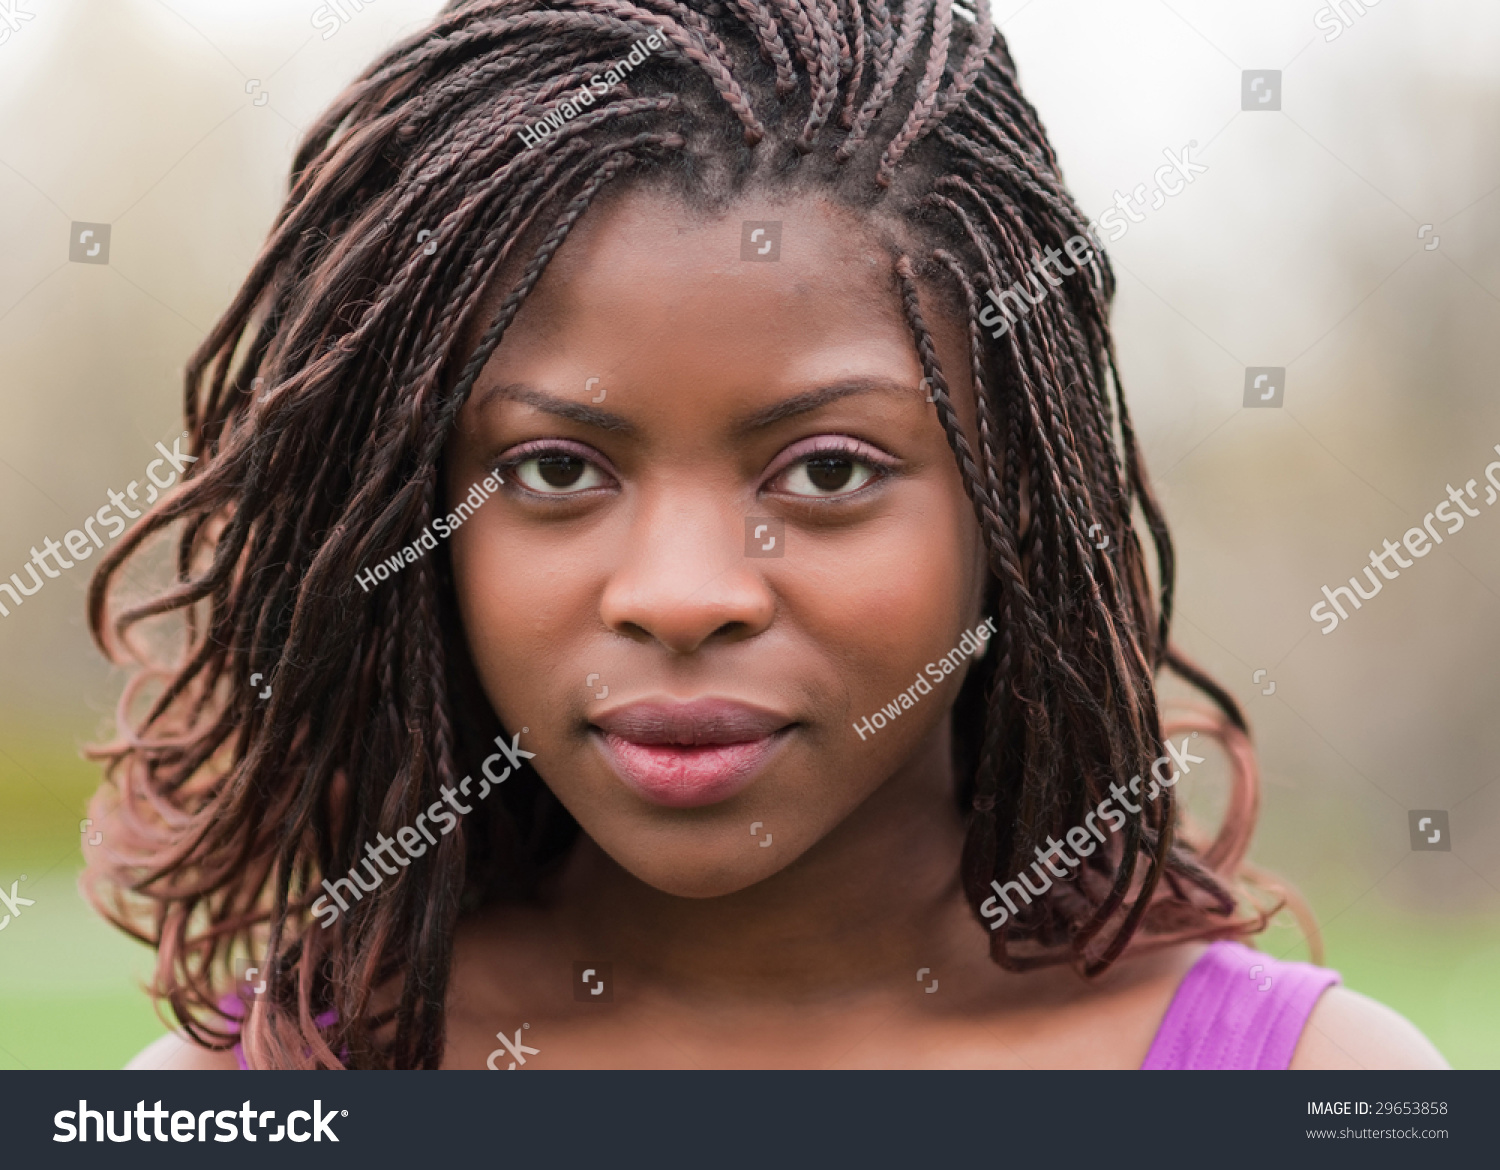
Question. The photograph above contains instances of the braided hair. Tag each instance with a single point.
(320, 405)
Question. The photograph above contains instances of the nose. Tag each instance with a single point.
(685, 581)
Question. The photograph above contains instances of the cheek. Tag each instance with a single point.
(893, 601)
(521, 605)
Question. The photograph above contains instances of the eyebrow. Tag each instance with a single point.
(817, 399)
(778, 412)
(578, 412)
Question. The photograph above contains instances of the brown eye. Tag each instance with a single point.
(558, 473)
(829, 473)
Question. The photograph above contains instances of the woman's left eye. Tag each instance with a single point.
(824, 474)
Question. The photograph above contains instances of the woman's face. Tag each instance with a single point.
(731, 528)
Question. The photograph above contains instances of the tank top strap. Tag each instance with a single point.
(1238, 1009)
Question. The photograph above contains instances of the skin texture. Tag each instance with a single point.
(803, 953)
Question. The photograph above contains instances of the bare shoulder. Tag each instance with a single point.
(1349, 1030)
(176, 1051)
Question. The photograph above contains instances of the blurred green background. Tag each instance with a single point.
(70, 985)
(1302, 247)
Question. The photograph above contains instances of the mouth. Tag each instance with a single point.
(687, 755)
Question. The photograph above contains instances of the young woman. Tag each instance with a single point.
(647, 597)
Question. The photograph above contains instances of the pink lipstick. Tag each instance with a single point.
(686, 755)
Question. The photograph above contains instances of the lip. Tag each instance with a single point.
(687, 755)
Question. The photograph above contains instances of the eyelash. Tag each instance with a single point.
(861, 455)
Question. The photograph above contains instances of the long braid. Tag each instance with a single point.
(927, 92)
(856, 65)
(912, 17)
(984, 34)
(772, 46)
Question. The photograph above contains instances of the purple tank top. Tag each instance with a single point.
(1237, 1008)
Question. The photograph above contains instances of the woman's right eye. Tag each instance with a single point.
(558, 473)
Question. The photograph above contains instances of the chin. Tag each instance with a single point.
(697, 887)
(695, 873)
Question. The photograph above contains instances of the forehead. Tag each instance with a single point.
(644, 273)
